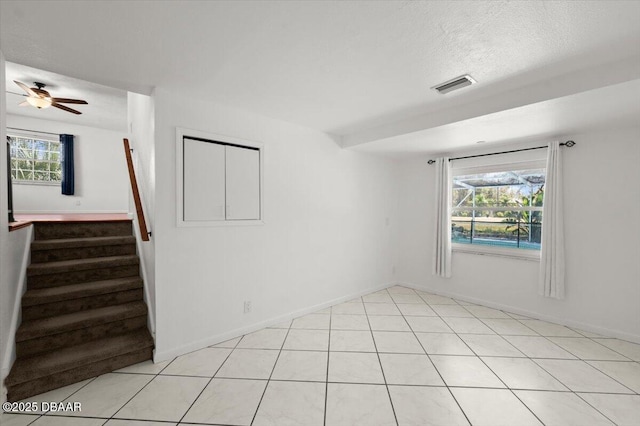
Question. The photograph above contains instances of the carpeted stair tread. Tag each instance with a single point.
(73, 357)
(80, 264)
(81, 242)
(74, 291)
(77, 320)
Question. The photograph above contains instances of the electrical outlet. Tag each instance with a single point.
(247, 306)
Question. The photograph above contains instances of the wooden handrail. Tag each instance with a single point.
(144, 234)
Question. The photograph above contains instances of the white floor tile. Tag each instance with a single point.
(165, 398)
(57, 395)
(465, 371)
(377, 298)
(409, 369)
(229, 343)
(16, 419)
(301, 365)
(105, 395)
(587, 349)
(292, 404)
(416, 405)
(381, 309)
(628, 349)
(509, 327)
(494, 407)
(434, 299)
(407, 298)
(522, 373)
(397, 289)
(349, 322)
(388, 323)
(490, 345)
(538, 347)
(66, 421)
(146, 367)
(348, 308)
(204, 362)
(580, 376)
(311, 340)
(623, 410)
(545, 328)
(561, 409)
(397, 342)
(467, 325)
(352, 341)
(484, 312)
(451, 311)
(358, 405)
(284, 324)
(413, 309)
(227, 401)
(267, 338)
(443, 344)
(428, 325)
(355, 368)
(312, 321)
(116, 422)
(627, 373)
(249, 364)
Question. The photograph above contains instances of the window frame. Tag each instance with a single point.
(181, 134)
(36, 137)
(485, 167)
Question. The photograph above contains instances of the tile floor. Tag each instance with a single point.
(393, 357)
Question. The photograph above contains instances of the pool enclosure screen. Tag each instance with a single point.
(502, 209)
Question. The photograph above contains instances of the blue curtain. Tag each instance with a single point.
(68, 180)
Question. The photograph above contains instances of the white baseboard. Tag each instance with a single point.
(165, 355)
(605, 332)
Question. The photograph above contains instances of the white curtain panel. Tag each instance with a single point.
(442, 248)
(552, 254)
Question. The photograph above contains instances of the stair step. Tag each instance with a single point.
(81, 248)
(64, 266)
(78, 320)
(75, 291)
(37, 374)
(59, 230)
(51, 342)
(65, 272)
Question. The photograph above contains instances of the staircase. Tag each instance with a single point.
(83, 313)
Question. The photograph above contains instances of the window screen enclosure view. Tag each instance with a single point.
(35, 160)
(502, 209)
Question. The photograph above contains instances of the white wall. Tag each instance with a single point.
(101, 179)
(602, 233)
(141, 124)
(325, 234)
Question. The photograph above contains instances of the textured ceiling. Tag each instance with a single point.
(341, 67)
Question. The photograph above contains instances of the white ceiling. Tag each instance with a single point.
(361, 70)
(106, 109)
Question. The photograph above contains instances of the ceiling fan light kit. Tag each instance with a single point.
(41, 99)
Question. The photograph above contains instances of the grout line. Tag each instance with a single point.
(326, 387)
(384, 377)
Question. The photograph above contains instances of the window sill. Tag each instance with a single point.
(521, 254)
(35, 182)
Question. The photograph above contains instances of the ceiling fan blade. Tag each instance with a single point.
(64, 108)
(69, 101)
(26, 89)
(25, 103)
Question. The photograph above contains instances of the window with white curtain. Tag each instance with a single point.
(497, 209)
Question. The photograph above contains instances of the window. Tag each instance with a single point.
(494, 210)
(35, 160)
(219, 180)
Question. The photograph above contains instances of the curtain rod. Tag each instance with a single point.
(568, 144)
(34, 131)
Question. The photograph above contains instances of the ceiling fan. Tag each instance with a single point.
(40, 98)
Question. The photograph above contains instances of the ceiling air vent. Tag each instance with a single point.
(454, 84)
